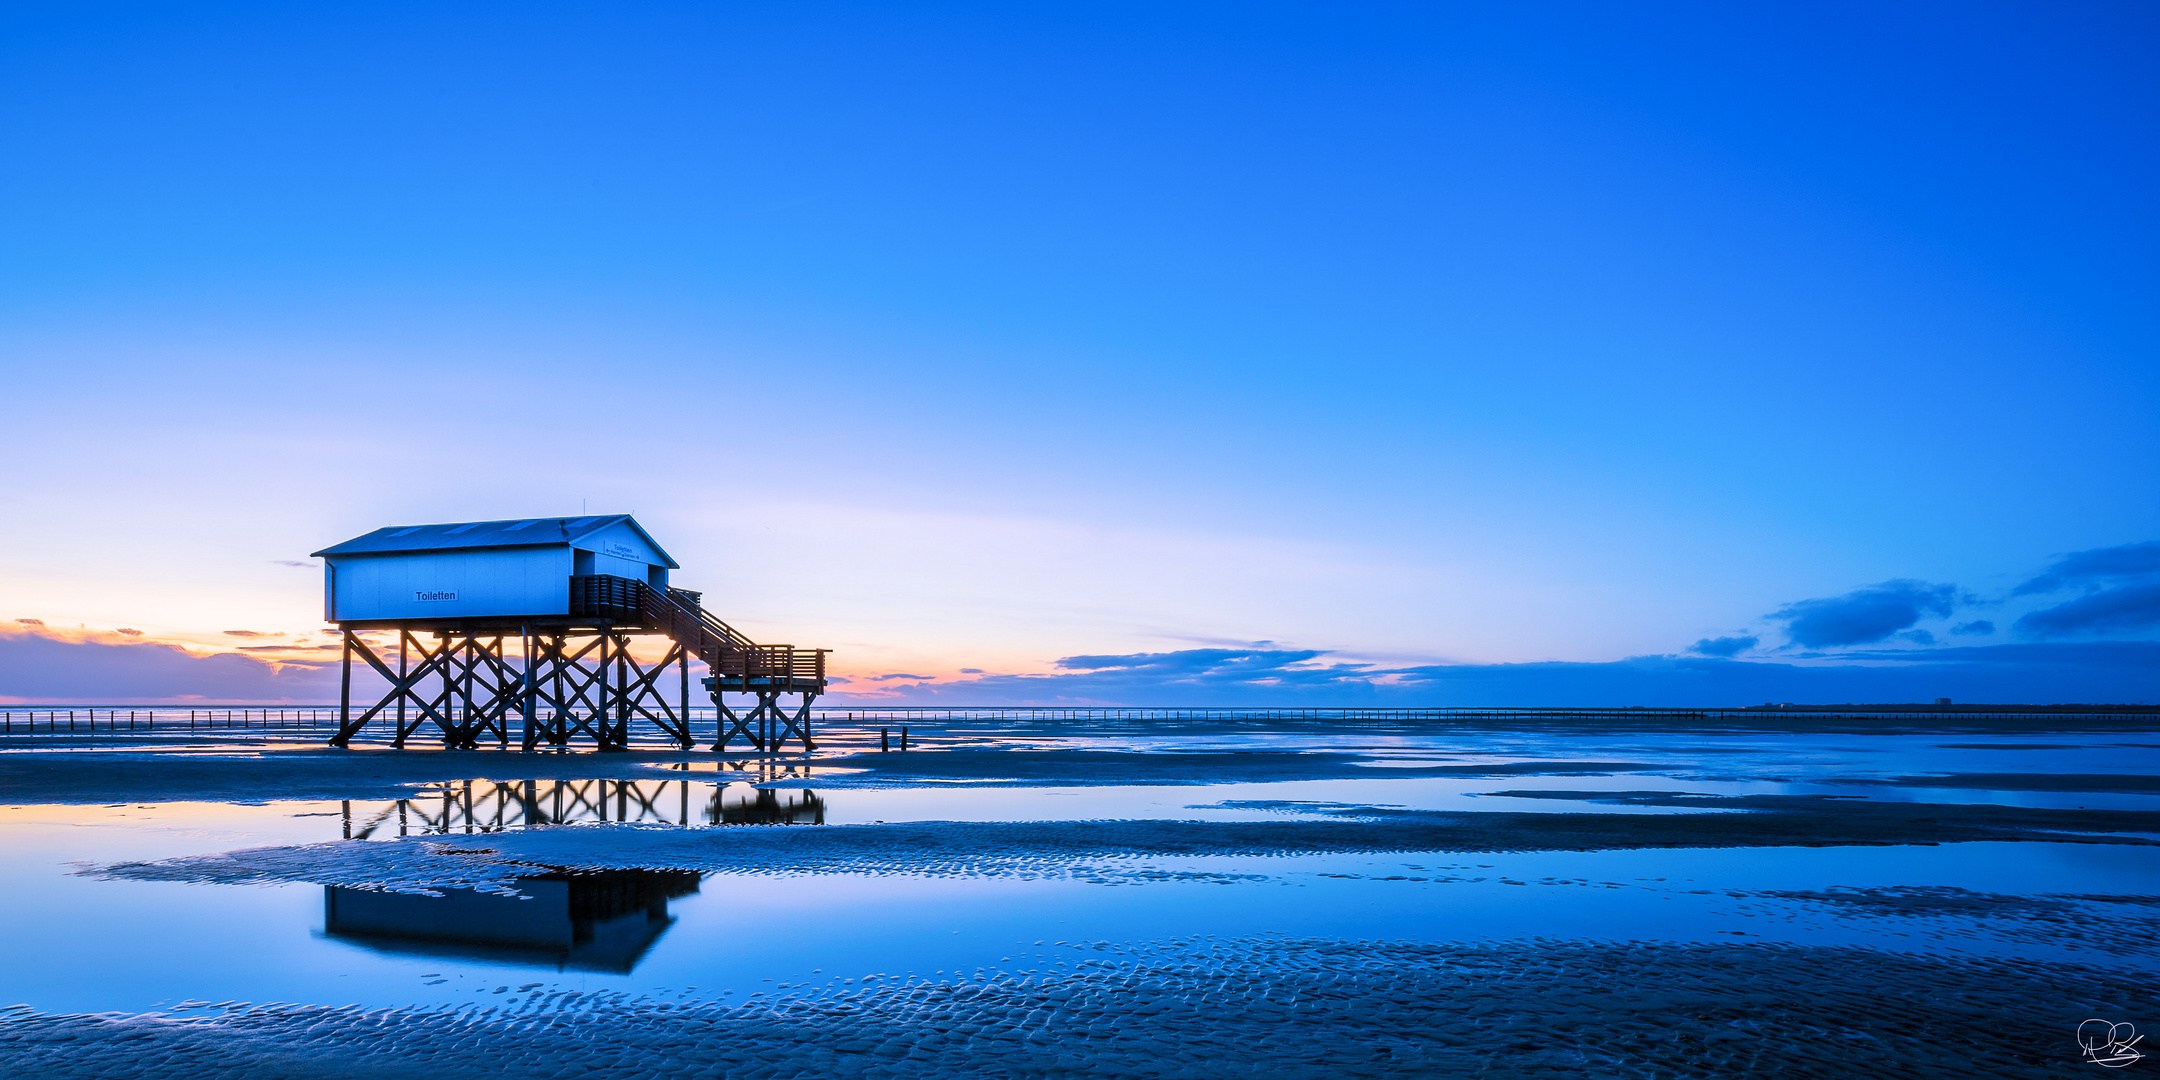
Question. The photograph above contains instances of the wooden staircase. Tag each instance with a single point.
(737, 662)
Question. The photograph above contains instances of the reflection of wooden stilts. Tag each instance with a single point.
(487, 806)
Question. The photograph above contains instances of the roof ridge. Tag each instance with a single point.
(496, 533)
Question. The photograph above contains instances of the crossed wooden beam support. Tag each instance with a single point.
(477, 689)
(577, 692)
(565, 684)
(768, 726)
(435, 662)
(469, 687)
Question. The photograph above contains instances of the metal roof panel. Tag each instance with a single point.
(462, 535)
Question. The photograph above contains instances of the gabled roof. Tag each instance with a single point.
(463, 535)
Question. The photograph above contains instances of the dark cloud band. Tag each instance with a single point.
(1868, 615)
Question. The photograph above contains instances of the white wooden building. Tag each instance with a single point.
(518, 569)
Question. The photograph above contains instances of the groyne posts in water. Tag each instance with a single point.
(25, 722)
(1746, 716)
(866, 726)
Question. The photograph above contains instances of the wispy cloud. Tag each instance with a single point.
(1198, 663)
(1725, 646)
(1867, 615)
(2128, 607)
(2096, 566)
(2121, 592)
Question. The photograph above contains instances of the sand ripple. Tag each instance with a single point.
(1195, 1008)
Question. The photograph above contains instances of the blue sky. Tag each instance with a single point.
(983, 338)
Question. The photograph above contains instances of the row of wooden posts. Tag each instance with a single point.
(51, 720)
(58, 720)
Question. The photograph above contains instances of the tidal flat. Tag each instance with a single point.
(1032, 900)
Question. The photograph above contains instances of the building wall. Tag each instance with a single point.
(453, 584)
(620, 551)
(608, 564)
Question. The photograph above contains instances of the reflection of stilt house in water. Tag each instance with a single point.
(530, 621)
(589, 922)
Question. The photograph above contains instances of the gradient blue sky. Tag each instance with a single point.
(1006, 337)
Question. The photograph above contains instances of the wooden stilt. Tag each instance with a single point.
(580, 678)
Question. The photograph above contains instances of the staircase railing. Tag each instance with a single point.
(680, 614)
(692, 604)
(725, 649)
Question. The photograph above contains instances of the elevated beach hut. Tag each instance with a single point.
(519, 570)
(572, 592)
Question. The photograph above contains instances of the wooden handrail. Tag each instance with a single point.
(678, 614)
(724, 649)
